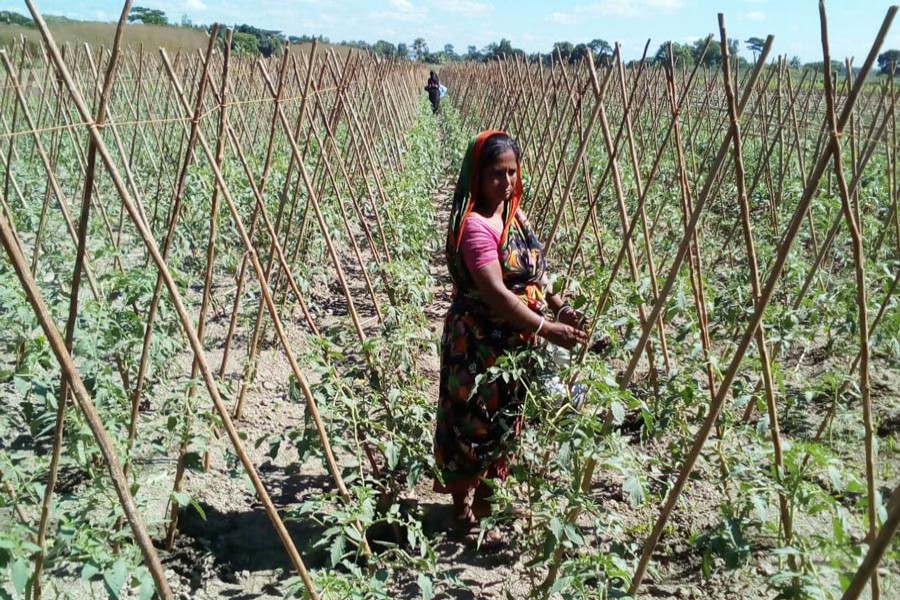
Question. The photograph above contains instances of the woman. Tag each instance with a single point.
(434, 91)
(498, 272)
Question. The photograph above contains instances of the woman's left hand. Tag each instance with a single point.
(570, 316)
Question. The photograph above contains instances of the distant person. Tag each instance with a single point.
(500, 299)
(433, 87)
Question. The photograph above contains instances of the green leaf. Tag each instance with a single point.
(556, 527)
(19, 574)
(22, 386)
(393, 454)
(618, 412)
(115, 578)
(573, 535)
(148, 588)
(426, 586)
(88, 571)
(560, 584)
(337, 551)
(198, 508)
(759, 505)
(635, 491)
(351, 532)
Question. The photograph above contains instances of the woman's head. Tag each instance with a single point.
(498, 169)
(434, 75)
(496, 145)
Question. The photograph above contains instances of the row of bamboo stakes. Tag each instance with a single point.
(769, 130)
(340, 121)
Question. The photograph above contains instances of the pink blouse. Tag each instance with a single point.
(479, 243)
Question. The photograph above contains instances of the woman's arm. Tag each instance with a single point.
(565, 313)
(489, 280)
(555, 302)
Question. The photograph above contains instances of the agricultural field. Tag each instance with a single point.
(96, 34)
(222, 292)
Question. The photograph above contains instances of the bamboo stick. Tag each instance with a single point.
(179, 306)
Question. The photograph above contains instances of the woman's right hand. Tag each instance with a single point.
(563, 335)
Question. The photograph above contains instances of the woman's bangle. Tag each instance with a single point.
(541, 324)
(563, 308)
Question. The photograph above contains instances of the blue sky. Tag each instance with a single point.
(530, 25)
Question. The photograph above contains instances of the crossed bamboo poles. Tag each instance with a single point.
(531, 109)
(357, 152)
(864, 119)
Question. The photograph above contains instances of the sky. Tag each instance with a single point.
(531, 25)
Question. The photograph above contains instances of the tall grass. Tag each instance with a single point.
(151, 36)
(101, 34)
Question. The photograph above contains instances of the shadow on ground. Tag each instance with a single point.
(247, 540)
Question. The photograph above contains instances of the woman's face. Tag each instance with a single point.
(498, 179)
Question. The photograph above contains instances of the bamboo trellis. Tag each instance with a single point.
(341, 123)
(750, 117)
(305, 130)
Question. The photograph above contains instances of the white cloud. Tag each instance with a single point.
(632, 9)
(564, 18)
(403, 10)
(194, 5)
(636, 8)
(467, 8)
(754, 15)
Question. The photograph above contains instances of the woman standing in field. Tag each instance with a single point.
(498, 271)
(433, 87)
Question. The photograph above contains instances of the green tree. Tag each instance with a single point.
(419, 48)
(361, 44)
(473, 53)
(795, 62)
(713, 57)
(306, 39)
(436, 58)
(579, 52)
(450, 52)
(887, 60)
(383, 48)
(602, 51)
(13, 18)
(755, 45)
(148, 16)
(497, 50)
(268, 42)
(402, 51)
(564, 49)
(243, 43)
(682, 54)
(504, 48)
(819, 66)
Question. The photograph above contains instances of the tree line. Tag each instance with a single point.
(248, 39)
(682, 54)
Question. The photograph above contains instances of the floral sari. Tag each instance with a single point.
(477, 420)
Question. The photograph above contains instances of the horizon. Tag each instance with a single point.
(528, 25)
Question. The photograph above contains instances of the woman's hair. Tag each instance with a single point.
(433, 74)
(496, 145)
